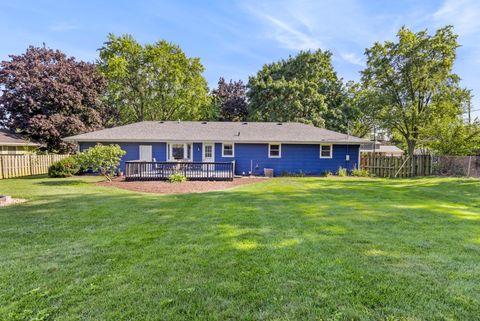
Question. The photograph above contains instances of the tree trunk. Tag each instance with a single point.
(411, 147)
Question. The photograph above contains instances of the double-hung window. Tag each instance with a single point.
(228, 150)
(274, 150)
(326, 151)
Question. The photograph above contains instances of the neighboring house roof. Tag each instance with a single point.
(254, 132)
(7, 138)
(380, 148)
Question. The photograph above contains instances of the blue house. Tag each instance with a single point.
(252, 147)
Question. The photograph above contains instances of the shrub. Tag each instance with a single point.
(293, 174)
(326, 173)
(64, 168)
(342, 172)
(176, 178)
(104, 159)
(360, 172)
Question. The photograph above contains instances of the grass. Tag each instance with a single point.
(285, 249)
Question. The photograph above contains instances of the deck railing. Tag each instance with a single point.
(198, 171)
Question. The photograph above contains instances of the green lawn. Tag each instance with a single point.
(285, 249)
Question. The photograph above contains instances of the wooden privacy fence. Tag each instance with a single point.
(397, 166)
(25, 165)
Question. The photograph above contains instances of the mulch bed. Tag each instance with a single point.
(162, 187)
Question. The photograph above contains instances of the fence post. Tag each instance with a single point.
(469, 164)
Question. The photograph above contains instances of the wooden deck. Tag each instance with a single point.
(199, 171)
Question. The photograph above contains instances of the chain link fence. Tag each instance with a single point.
(468, 166)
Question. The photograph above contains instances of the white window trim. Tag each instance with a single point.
(213, 151)
(279, 150)
(331, 151)
(233, 149)
(185, 151)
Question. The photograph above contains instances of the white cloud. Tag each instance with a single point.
(335, 25)
(464, 15)
(288, 31)
(64, 26)
(352, 58)
(290, 37)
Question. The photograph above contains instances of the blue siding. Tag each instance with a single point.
(132, 150)
(296, 158)
(197, 152)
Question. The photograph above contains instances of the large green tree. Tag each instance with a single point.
(452, 136)
(304, 88)
(411, 82)
(152, 82)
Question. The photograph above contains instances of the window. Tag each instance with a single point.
(228, 150)
(274, 150)
(208, 151)
(325, 151)
(179, 152)
(10, 150)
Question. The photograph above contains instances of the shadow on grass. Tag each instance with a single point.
(58, 182)
(292, 247)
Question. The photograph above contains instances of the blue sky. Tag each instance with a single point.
(235, 38)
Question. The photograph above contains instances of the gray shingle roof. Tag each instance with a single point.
(7, 138)
(381, 148)
(254, 132)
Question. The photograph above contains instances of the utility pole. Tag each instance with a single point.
(469, 107)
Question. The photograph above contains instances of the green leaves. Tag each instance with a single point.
(104, 159)
(304, 88)
(412, 83)
(47, 95)
(452, 136)
(153, 82)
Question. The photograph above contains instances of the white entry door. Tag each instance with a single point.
(146, 153)
(208, 152)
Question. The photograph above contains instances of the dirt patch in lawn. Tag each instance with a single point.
(162, 187)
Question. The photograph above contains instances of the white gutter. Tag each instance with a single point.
(99, 140)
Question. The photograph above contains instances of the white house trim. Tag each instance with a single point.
(233, 149)
(185, 151)
(359, 158)
(213, 151)
(145, 153)
(331, 151)
(147, 141)
(279, 150)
